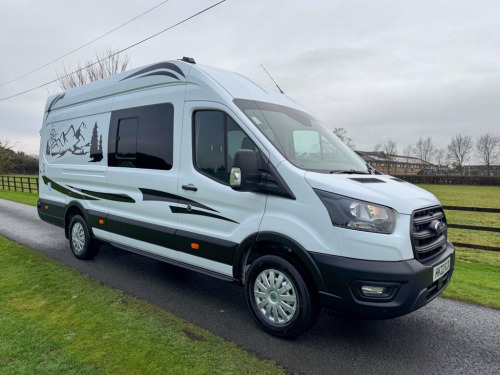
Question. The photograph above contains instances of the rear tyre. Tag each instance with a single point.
(279, 298)
(81, 242)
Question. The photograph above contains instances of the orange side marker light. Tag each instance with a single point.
(195, 246)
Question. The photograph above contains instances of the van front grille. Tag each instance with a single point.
(428, 233)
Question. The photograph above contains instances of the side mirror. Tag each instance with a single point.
(244, 170)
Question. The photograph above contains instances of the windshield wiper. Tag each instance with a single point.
(348, 171)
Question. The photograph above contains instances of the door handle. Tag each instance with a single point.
(190, 187)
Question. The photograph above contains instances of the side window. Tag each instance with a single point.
(142, 137)
(216, 138)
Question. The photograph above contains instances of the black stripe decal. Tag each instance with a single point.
(161, 73)
(156, 195)
(184, 210)
(164, 65)
(54, 101)
(108, 196)
(63, 190)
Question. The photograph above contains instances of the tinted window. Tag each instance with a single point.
(216, 138)
(126, 141)
(142, 137)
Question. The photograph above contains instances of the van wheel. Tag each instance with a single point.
(279, 298)
(81, 242)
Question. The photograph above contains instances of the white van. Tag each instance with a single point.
(205, 169)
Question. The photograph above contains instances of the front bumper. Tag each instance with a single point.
(411, 283)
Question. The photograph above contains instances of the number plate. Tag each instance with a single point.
(441, 269)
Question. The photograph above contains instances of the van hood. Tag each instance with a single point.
(380, 189)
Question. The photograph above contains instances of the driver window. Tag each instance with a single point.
(217, 137)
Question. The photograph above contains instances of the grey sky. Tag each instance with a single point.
(380, 69)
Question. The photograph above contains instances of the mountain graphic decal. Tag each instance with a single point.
(72, 140)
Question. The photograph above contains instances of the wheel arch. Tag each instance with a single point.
(272, 243)
(72, 208)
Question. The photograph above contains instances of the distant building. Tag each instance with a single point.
(397, 164)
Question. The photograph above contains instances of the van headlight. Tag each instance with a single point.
(350, 213)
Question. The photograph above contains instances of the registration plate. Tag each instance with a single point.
(441, 269)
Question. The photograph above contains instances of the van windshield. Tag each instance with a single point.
(302, 139)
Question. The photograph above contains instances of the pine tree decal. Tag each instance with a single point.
(95, 146)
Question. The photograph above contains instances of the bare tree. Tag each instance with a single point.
(488, 149)
(342, 134)
(390, 149)
(459, 150)
(424, 149)
(107, 63)
(7, 154)
(440, 158)
(407, 152)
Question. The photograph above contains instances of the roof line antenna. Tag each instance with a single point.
(272, 79)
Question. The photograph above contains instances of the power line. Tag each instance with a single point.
(85, 45)
(116, 53)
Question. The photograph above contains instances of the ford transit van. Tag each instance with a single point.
(205, 169)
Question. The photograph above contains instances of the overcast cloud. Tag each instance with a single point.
(380, 69)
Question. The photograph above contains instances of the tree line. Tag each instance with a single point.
(16, 162)
(460, 151)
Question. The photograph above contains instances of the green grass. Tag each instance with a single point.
(18, 196)
(476, 278)
(54, 320)
(466, 195)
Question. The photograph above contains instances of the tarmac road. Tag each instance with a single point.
(444, 337)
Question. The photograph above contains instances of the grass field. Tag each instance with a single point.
(54, 320)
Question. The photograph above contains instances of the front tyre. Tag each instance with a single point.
(279, 298)
(81, 242)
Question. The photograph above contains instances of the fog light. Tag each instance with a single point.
(372, 290)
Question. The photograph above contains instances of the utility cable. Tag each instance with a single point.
(85, 45)
(116, 53)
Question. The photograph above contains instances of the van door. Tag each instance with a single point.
(213, 219)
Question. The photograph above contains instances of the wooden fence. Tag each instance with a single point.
(19, 183)
(473, 227)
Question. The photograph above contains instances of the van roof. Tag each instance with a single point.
(222, 82)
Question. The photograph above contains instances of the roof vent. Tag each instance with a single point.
(188, 60)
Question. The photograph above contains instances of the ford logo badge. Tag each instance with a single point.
(438, 227)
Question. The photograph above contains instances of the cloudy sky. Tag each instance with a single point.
(382, 70)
